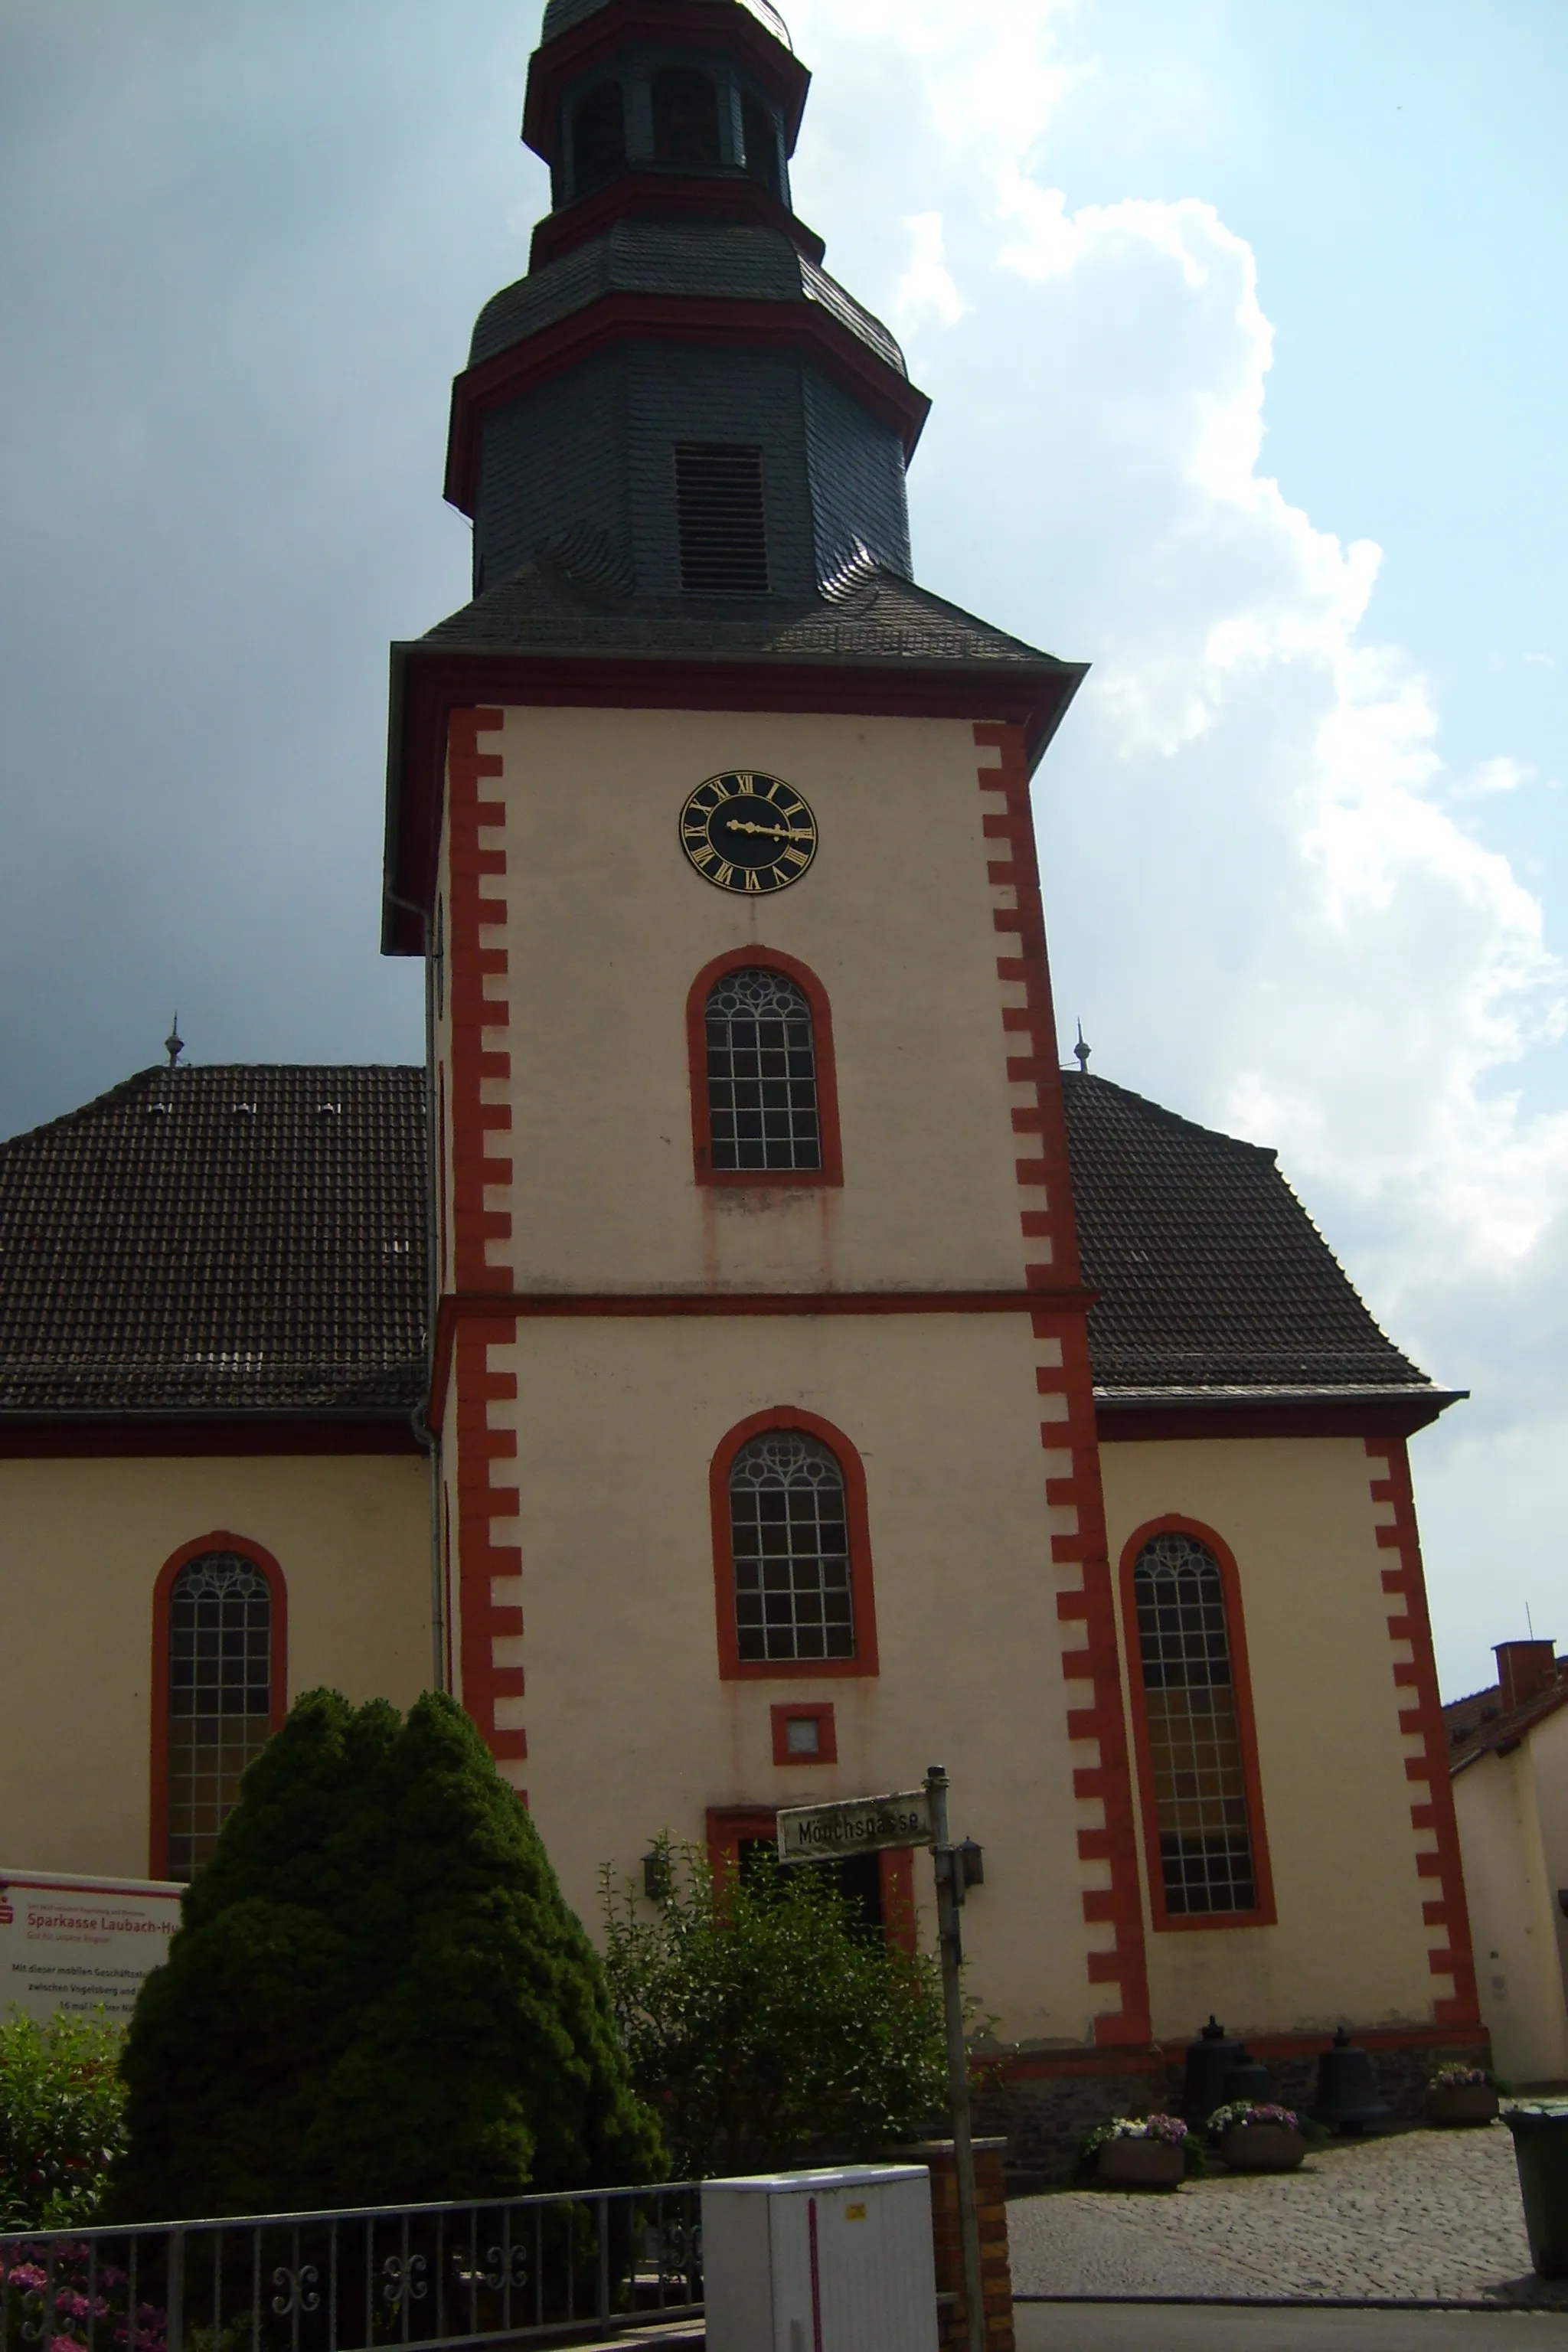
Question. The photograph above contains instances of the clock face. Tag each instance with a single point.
(747, 832)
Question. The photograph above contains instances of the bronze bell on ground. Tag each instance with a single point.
(1209, 2059)
(1246, 2078)
(1347, 2098)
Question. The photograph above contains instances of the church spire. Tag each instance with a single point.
(678, 401)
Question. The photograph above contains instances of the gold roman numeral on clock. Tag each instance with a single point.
(770, 813)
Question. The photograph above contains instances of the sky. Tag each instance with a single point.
(1246, 327)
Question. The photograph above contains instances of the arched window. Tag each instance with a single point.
(685, 117)
(1201, 1807)
(789, 1536)
(763, 1108)
(598, 137)
(792, 1550)
(218, 1652)
(761, 141)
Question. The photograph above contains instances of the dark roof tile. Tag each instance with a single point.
(1480, 1725)
(706, 260)
(222, 1238)
(878, 616)
(1211, 1274)
(251, 1238)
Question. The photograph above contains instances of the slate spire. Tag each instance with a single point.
(677, 400)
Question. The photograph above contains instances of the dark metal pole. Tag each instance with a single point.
(946, 1863)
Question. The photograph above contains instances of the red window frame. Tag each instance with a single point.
(792, 1710)
(1204, 1922)
(733, 1667)
(728, 1825)
(760, 959)
(220, 1539)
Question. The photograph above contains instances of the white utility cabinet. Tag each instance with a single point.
(833, 2261)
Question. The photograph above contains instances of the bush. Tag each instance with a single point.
(62, 2108)
(376, 1995)
(765, 2027)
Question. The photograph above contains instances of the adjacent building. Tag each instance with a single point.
(1508, 1756)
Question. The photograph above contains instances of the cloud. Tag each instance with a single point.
(1259, 898)
(1498, 775)
(926, 289)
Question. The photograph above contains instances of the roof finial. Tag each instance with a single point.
(173, 1044)
(1081, 1052)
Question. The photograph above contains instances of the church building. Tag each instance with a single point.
(741, 1364)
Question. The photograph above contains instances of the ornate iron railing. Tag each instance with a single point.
(522, 2270)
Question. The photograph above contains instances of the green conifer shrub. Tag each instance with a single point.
(376, 1994)
(766, 2028)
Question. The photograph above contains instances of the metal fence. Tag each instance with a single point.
(524, 2270)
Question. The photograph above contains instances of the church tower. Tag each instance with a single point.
(771, 1459)
(767, 1448)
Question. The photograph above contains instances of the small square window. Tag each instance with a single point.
(804, 1732)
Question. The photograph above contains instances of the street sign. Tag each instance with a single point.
(856, 1825)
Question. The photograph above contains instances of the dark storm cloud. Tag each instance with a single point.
(240, 251)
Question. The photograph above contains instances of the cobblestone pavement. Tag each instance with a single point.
(1186, 2327)
(1421, 2214)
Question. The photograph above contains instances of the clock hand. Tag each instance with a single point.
(774, 832)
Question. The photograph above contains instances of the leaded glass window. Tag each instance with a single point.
(790, 1529)
(762, 1074)
(220, 1697)
(1194, 1729)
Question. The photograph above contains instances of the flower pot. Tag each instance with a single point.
(1540, 2150)
(1462, 2103)
(1262, 2148)
(1141, 2164)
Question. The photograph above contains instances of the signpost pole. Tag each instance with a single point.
(947, 1900)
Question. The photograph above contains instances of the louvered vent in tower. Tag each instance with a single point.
(723, 535)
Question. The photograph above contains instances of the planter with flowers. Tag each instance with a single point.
(1137, 2152)
(1257, 2138)
(1462, 2094)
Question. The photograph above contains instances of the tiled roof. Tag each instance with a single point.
(228, 1239)
(709, 259)
(873, 616)
(238, 1239)
(1480, 1725)
(1211, 1274)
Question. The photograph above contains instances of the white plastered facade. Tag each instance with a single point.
(1513, 1833)
(82, 1543)
(631, 1729)
(1350, 1944)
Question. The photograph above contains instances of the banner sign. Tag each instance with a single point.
(81, 1943)
(858, 1826)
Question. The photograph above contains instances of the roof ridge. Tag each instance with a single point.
(123, 1090)
(140, 1082)
(1093, 1078)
